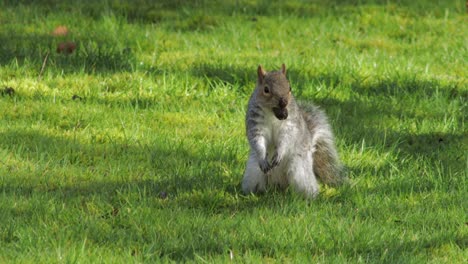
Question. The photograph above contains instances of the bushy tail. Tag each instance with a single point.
(327, 166)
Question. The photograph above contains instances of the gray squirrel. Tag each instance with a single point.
(289, 144)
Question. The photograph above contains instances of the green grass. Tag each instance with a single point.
(132, 148)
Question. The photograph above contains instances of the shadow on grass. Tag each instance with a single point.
(170, 166)
(232, 74)
(148, 11)
(92, 55)
(63, 168)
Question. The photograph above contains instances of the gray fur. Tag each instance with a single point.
(292, 151)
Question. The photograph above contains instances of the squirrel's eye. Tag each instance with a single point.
(290, 88)
(266, 89)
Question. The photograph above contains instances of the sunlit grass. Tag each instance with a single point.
(132, 148)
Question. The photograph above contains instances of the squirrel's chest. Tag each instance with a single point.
(274, 130)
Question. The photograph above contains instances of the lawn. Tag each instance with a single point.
(132, 147)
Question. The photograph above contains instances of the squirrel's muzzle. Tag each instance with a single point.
(280, 113)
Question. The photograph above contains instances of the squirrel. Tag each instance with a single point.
(289, 144)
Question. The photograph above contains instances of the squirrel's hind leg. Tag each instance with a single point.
(254, 179)
(301, 175)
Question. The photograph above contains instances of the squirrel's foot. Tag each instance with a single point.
(275, 161)
(264, 166)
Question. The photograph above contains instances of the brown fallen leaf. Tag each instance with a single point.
(60, 31)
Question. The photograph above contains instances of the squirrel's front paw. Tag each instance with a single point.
(264, 166)
(275, 161)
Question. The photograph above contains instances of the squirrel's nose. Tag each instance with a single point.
(283, 102)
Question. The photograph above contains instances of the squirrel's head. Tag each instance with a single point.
(274, 91)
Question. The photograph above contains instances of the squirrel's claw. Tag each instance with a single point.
(264, 166)
(275, 161)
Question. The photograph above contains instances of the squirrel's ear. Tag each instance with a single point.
(283, 69)
(261, 73)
